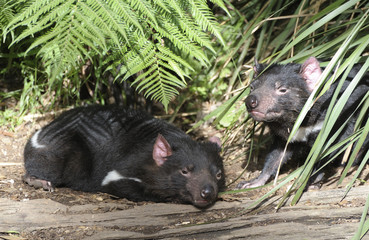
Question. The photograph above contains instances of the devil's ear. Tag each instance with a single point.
(217, 141)
(258, 68)
(310, 71)
(161, 150)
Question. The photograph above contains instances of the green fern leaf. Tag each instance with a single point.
(182, 42)
(33, 13)
(6, 13)
(110, 18)
(173, 56)
(163, 5)
(154, 40)
(194, 33)
(221, 4)
(145, 8)
(89, 31)
(101, 21)
(123, 9)
(205, 18)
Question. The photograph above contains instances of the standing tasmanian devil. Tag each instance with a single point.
(125, 153)
(277, 96)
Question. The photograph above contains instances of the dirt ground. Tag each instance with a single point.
(27, 213)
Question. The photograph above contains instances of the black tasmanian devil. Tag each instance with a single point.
(278, 93)
(125, 153)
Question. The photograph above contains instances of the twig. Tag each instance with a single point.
(10, 164)
(8, 134)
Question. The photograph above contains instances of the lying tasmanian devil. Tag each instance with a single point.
(277, 97)
(125, 153)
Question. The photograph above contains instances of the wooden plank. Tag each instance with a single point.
(318, 215)
(303, 224)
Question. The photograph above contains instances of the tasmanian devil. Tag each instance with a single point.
(125, 153)
(277, 95)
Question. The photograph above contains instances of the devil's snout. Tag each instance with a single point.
(207, 192)
(251, 102)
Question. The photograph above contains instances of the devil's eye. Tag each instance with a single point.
(282, 90)
(186, 171)
(219, 175)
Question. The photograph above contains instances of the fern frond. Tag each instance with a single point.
(31, 15)
(145, 9)
(45, 39)
(221, 4)
(205, 18)
(110, 19)
(89, 30)
(163, 5)
(6, 13)
(101, 21)
(178, 7)
(174, 57)
(135, 61)
(158, 81)
(147, 78)
(182, 42)
(123, 9)
(194, 33)
(167, 62)
(154, 40)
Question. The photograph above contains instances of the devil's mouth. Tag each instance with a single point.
(201, 203)
(257, 115)
(265, 117)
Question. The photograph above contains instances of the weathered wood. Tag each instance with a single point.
(318, 215)
(45, 213)
(302, 224)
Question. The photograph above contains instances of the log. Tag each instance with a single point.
(318, 215)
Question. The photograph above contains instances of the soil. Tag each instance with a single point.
(28, 213)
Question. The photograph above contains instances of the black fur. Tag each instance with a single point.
(277, 96)
(158, 161)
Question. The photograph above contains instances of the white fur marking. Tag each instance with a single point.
(116, 176)
(303, 132)
(34, 140)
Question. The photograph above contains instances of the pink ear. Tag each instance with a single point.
(258, 68)
(161, 150)
(216, 140)
(311, 71)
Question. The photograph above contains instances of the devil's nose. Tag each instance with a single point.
(251, 102)
(207, 192)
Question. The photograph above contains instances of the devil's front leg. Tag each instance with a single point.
(277, 156)
(38, 183)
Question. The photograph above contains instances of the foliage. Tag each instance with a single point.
(6, 13)
(162, 45)
(156, 41)
(291, 31)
